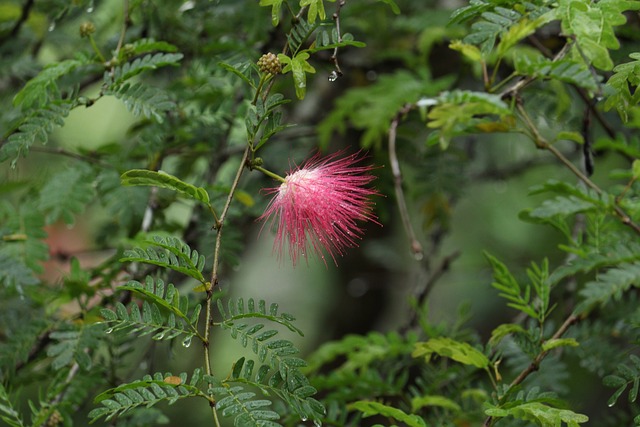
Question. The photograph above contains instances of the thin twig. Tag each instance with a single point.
(63, 152)
(416, 247)
(125, 25)
(215, 270)
(334, 58)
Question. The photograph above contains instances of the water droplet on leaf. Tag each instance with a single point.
(333, 76)
(187, 342)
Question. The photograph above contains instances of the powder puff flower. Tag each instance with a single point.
(319, 205)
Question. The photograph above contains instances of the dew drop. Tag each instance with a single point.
(610, 404)
(52, 26)
(90, 9)
(333, 76)
(304, 419)
(187, 342)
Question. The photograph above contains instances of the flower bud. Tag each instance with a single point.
(87, 28)
(269, 63)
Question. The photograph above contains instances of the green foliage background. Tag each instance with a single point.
(137, 288)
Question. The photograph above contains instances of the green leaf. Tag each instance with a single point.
(446, 347)
(355, 353)
(240, 404)
(295, 390)
(609, 286)
(565, 70)
(420, 402)
(393, 5)
(635, 169)
(148, 322)
(618, 253)
(161, 298)
(8, 413)
(14, 274)
(369, 409)
(625, 78)
(148, 62)
(148, 392)
(70, 346)
(42, 89)
(470, 51)
(34, 128)
(518, 297)
(559, 342)
(230, 317)
(570, 136)
(316, 9)
(240, 70)
(468, 12)
(626, 374)
(592, 25)
(276, 5)
(504, 330)
(563, 207)
(457, 112)
(66, 194)
(153, 103)
(492, 25)
(516, 33)
(171, 253)
(301, 32)
(299, 67)
(162, 179)
(539, 413)
(145, 45)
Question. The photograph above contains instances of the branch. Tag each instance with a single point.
(63, 152)
(334, 57)
(416, 247)
(123, 32)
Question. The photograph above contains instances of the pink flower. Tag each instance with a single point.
(319, 205)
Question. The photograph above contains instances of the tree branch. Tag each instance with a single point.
(416, 247)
